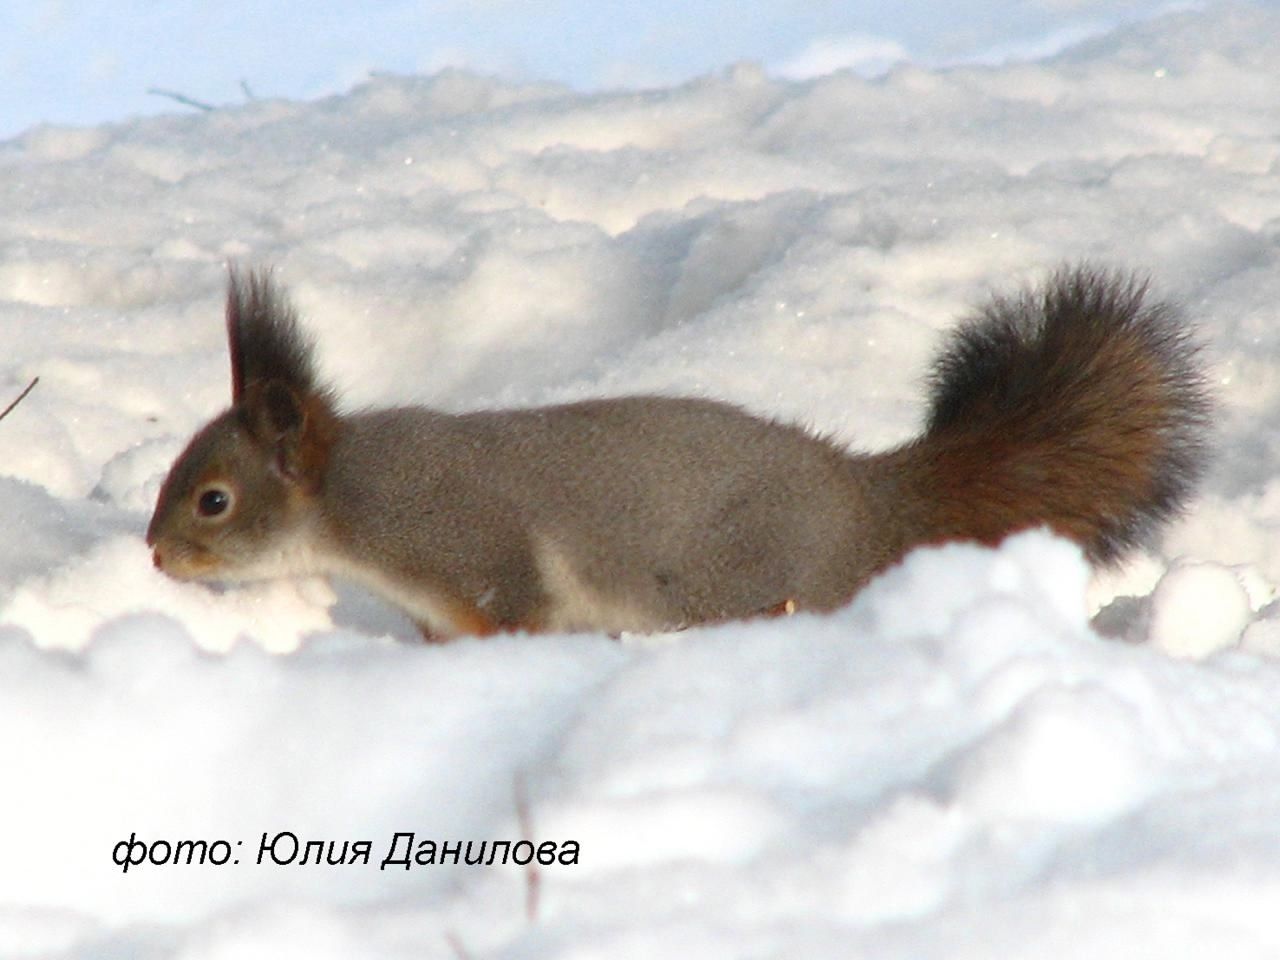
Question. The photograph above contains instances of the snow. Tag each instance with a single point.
(988, 753)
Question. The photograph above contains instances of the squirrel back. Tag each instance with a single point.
(1079, 408)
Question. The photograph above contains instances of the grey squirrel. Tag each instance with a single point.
(1078, 406)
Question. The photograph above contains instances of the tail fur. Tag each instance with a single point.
(1079, 406)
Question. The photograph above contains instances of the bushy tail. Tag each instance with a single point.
(1079, 406)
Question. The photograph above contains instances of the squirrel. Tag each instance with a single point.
(1078, 406)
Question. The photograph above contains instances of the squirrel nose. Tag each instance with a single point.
(157, 560)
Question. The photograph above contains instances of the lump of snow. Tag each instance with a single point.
(1198, 609)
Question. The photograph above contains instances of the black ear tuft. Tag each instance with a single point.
(265, 340)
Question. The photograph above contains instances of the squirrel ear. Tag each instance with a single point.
(273, 381)
(282, 410)
(296, 433)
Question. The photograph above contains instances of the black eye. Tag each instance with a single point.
(213, 502)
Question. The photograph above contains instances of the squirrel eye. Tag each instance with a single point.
(213, 502)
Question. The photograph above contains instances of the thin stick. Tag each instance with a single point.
(456, 945)
(22, 396)
(181, 98)
(532, 878)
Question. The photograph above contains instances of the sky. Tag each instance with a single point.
(84, 62)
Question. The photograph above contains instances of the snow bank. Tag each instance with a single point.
(957, 764)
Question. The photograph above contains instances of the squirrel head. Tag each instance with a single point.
(240, 501)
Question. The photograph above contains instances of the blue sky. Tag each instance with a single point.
(89, 61)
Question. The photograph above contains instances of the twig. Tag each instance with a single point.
(247, 90)
(182, 99)
(532, 878)
(456, 945)
(20, 397)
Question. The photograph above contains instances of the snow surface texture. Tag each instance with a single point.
(958, 764)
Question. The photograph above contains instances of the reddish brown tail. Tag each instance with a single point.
(1079, 407)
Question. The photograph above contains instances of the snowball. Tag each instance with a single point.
(1198, 609)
